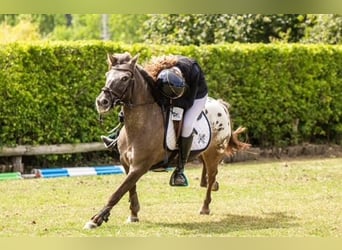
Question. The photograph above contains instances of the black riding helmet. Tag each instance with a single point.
(171, 82)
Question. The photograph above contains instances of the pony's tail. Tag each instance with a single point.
(234, 144)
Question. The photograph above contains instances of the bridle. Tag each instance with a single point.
(118, 98)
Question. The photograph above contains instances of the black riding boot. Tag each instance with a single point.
(178, 177)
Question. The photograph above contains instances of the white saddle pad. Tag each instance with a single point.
(202, 134)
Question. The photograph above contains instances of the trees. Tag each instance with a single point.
(326, 28)
(78, 27)
(184, 29)
(29, 26)
(267, 28)
(121, 27)
(127, 28)
(22, 31)
(218, 28)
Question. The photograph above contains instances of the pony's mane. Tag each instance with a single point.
(157, 64)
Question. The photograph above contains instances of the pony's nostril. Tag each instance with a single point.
(104, 102)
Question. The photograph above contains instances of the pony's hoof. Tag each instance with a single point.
(215, 186)
(205, 211)
(132, 219)
(90, 225)
(203, 184)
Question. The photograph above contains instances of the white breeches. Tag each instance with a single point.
(191, 115)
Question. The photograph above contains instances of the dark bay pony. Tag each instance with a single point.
(141, 140)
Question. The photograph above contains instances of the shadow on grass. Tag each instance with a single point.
(233, 222)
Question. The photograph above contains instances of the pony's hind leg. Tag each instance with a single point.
(211, 169)
(204, 181)
(204, 178)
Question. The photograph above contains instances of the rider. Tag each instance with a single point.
(169, 71)
(172, 71)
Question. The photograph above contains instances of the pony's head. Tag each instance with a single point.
(119, 79)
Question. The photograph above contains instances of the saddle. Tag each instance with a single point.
(201, 132)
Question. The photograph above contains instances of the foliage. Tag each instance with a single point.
(45, 22)
(83, 27)
(48, 93)
(122, 27)
(127, 28)
(256, 28)
(327, 29)
(185, 29)
(9, 19)
(284, 94)
(23, 31)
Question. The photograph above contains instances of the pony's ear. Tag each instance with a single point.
(112, 60)
(134, 60)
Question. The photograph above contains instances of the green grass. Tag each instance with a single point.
(269, 199)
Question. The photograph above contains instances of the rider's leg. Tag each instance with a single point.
(178, 178)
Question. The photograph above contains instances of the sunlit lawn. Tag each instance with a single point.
(302, 198)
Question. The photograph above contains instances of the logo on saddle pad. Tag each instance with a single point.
(201, 132)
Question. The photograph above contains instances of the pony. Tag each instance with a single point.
(141, 140)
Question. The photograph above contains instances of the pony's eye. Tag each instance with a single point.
(124, 78)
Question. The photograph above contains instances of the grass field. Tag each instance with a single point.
(300, 198)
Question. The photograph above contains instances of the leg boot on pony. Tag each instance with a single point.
(178, 177)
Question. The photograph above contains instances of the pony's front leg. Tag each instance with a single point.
(133, 199)
(128, 184)
(134, 205)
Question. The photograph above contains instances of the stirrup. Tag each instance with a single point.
(109, 142)
(178, 179)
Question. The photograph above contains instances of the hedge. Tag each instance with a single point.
(283, 93)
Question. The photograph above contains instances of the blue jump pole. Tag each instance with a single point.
(77, 171)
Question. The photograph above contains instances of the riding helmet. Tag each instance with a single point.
(171, 83)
